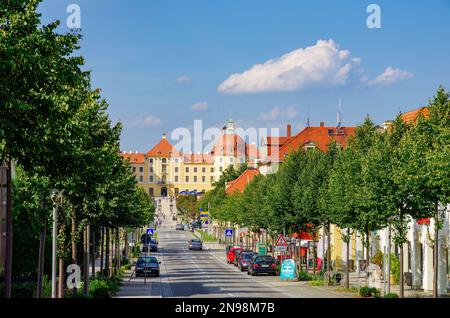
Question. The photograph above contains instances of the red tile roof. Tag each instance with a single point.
(412, 115)
(198, 159)
(320, 137)
(135, 158)
(229, 145)
(241, 182)
(163, 149)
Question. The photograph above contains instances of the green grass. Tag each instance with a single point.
(205, 237)
(316, 283)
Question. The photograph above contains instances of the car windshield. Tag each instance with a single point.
(153, 240)
(147, 260)
(247, 256)
(196, 242)
(264, 259)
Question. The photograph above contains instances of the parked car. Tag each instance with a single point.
(262, 264)
(195, 244)
(179, 227)
(147, 266)
(227, 249)
(244, 259)
(152, 246)
(231, 254)
(237, 253)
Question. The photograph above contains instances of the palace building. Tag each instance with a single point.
(164, 170)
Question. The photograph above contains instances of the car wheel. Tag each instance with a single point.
(253, 274)
(248, 273)
(157, 275)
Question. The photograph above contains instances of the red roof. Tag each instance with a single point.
(229, 145)
(163, 149)
(198, 158)
(241, 182)
(136, 158)
(320, 137)
(412, 116)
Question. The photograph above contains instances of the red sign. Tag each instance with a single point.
(281, 241)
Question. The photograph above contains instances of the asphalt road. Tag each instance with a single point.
(186, 273)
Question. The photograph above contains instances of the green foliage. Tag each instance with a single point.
(369, 292)
(391, 295)
(187, 205)
(304, 276)
(316, 283)
(395, 268)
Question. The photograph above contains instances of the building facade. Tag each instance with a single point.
(165, 171)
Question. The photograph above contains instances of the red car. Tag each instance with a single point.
(231, 255)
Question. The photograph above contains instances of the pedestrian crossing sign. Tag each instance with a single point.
(228, 232)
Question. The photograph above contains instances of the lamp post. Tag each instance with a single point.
(390, 219)
(56, 196)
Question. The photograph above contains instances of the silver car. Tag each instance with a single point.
(195, 244)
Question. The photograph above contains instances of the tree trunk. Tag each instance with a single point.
(436, 252)
(93, 253)
(86, 261)
(367, 254)
(102, 249)
(402, 290)
(61, 278)
(74, 246)
(127, 253)
(314, 257)
(9, 232)
(118, 256)
(107, 253)
(40, 269)
(347, 260)
(328, 253)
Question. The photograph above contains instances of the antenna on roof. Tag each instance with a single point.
(339, 119)
(307, 119)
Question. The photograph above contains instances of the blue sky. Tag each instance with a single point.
(155, 59)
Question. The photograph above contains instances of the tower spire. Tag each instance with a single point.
(339, 119)
(307, 118)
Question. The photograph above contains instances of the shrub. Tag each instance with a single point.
(369, 292)
(304, 276)
(23, 290)
(391, 295)
(125, 261)
(99, 288)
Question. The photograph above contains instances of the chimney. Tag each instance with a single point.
(289, 130)
(322, 124)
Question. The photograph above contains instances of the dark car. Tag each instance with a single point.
(237, 253)
(262, 264)
(244, 259)
(152, 246)
(179, 227)
(148, 265)
(195, 244)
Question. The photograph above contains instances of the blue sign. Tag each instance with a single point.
(288, 270)
(229, 232)
(150, 232)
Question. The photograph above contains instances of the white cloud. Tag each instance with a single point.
(390, 76)
(146, 121)
(279, 113)
(183, 79)
(322, 64)
(200, 106)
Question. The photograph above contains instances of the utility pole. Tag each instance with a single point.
(56, 197)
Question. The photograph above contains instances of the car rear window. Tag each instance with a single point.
(264, 259)
(247, 256)
(147, 260)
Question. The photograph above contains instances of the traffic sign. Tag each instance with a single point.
(229, 232)
(150, 232)
(281, 241)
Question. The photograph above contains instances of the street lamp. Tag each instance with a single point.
(56, 196)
